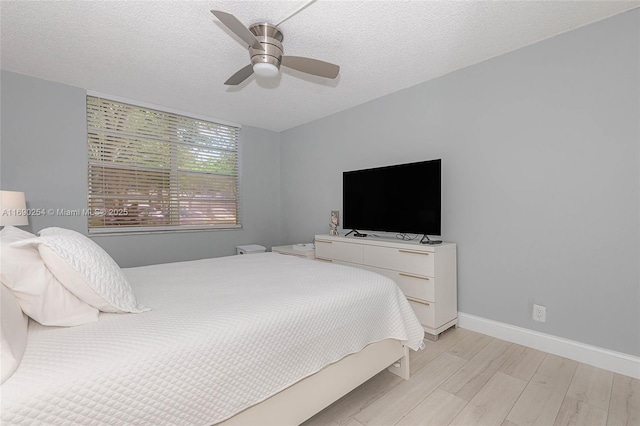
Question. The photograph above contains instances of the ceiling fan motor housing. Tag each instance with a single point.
(270, 37)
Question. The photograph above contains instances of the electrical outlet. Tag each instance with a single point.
(539, 313)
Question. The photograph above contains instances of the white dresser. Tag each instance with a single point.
(426, 274)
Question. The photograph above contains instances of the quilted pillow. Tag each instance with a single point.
(13, 333)
(40, 294)
(85, 269)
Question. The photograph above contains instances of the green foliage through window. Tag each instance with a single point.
(151, 169)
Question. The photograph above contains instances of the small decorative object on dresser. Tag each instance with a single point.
(335, 221)
(425, 274)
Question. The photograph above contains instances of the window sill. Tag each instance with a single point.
(168, 230)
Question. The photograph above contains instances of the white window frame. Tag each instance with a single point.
(170, 228)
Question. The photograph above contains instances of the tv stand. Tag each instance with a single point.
(425, 240)
(356, 233)
(425, 274)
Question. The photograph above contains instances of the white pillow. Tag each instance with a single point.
(86, 270)
(40, 294)
(13, 333)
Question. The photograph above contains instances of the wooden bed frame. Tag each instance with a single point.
(311, 395)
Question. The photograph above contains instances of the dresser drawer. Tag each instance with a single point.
(426, 313)
(407, 260)
(417, 286)
(337, 250)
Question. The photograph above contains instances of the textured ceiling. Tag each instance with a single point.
(176, 54)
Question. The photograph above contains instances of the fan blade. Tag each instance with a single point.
(238, 28)
(241, 75)
(311, 66)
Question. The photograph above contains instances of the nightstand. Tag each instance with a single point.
(308, 252)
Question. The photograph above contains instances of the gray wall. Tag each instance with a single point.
(540, 178)
(44, 154)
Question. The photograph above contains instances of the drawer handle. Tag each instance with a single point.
(324, 241)
(424, 253)
(417, 300)
(404, 274)
(323, 259)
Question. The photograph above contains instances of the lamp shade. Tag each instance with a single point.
(13, 208)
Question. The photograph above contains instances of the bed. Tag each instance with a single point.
(255, 339)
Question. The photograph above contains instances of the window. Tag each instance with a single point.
(152, 170)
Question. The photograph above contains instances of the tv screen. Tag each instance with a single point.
(402, 198)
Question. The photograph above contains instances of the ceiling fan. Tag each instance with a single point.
(264, 41)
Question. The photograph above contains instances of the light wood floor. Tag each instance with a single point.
(466, 378)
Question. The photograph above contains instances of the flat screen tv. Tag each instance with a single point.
(403, 198)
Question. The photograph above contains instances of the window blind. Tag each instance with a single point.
(151, 170)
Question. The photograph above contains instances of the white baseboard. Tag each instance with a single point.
(617, 362)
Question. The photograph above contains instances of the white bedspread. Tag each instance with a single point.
(224, 334)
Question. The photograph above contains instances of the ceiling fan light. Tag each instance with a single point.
(265, 70)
